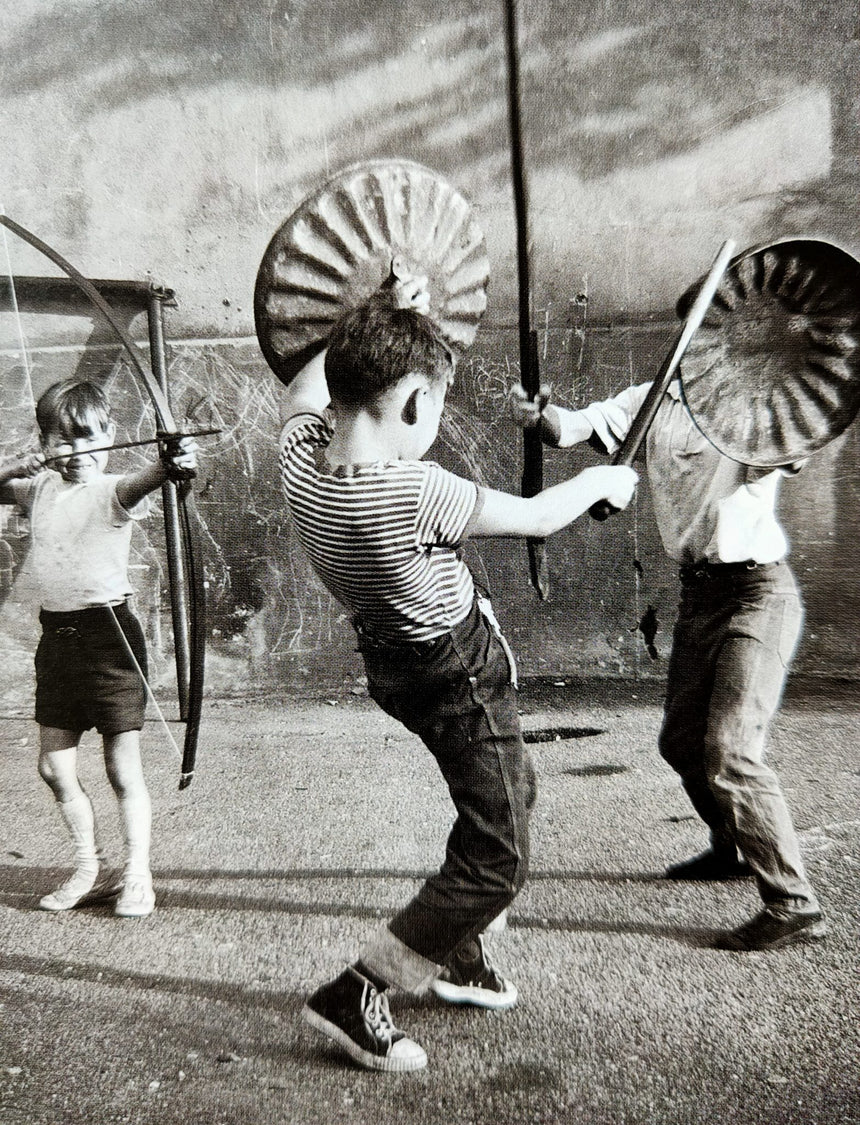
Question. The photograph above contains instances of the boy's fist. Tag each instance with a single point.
(179, 457)
(530, 412)
(614, 483)
(410, 292)
(404, 289)
(17, 468)
(27, 465)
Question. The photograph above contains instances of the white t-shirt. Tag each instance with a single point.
(80, 537)
(707, 506)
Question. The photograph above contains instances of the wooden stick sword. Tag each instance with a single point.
(629, 448)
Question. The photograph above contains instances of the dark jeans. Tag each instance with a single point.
(455, 693)
(736, 633)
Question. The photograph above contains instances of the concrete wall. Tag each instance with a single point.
(150, 140)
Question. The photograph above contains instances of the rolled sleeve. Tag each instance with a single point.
(611, 419)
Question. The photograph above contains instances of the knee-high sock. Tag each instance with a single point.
(78, 815)
(136, 816)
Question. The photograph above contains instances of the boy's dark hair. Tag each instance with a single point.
(71, 408)
(375, 346)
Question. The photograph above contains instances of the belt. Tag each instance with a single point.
(704, 570)
(68, 622)
(368, 638)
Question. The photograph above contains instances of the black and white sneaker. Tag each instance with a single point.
(770, 930)
(711, 866)
(469, 978)
(353, 1013)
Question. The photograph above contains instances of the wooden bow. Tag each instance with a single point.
(532, 478)
(191, 694)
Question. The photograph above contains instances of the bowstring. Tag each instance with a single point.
(146, 685)
(28, 373)
(16, 308)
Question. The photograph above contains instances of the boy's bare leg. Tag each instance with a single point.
(125, 772)
(58, 762)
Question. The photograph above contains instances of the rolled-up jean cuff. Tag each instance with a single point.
(387, 957)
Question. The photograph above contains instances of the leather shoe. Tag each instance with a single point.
(774, 931)
(710, 867)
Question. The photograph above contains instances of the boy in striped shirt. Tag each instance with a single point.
(382, 529)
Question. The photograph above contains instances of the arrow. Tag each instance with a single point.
(132, 444)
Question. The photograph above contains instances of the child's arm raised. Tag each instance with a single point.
(555, 507)
(178, 459)
(607, 422)
(17, 468)
(307, 392)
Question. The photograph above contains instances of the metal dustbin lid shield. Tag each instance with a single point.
(338, 246)
(773, 374)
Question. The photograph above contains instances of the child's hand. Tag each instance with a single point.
(530, 412)
(614, 483)
(410, 292)
(27, 465)
(526, 411)
(403, 289)
(30, 465)
(179, 457)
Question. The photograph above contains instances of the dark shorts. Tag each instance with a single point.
(85, 674)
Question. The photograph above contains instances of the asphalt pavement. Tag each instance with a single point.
(311, 819)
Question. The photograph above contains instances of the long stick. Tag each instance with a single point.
(130, 444)
(629, 448)
(532, 479)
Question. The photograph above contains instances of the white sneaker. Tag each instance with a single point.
(137, 898)
(499, 924)
(470, 978)
(80, 890)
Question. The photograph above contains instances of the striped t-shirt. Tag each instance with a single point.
(382, 537)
